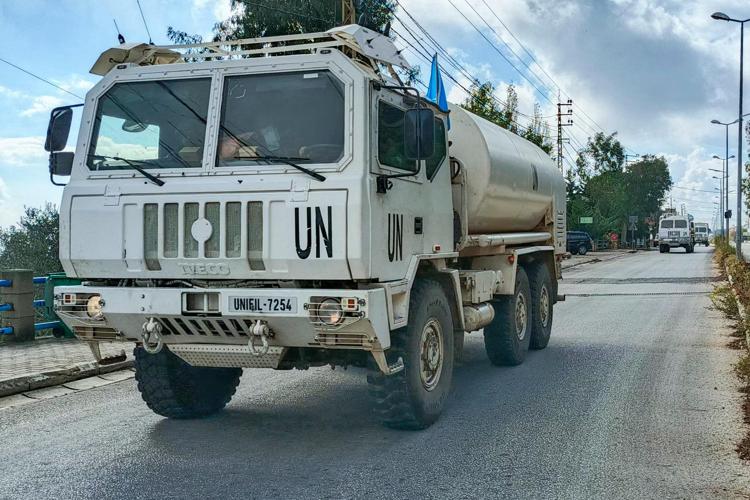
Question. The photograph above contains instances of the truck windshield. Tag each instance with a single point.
(295, 116)
(160, 124)
(667, 224)
(680, 224)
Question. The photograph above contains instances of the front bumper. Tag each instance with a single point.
(126, 310)
(675, 242)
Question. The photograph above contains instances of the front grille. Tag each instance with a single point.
(236, 232)
(206, 327)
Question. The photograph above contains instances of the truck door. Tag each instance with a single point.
(415, 215)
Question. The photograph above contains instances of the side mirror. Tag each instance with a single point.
(419, 134)
(61, 163)
(58, 129)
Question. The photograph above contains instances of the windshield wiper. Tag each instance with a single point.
(287, 160)
(134, 164)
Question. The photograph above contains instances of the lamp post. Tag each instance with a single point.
(720, 16)
(721, 196)
(725, 186)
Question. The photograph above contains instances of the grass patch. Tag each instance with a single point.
(742, 369)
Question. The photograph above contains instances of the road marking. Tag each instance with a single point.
(635, 294)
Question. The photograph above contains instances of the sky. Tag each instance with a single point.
(656, 72)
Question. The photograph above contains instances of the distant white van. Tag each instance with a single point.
(676, 231)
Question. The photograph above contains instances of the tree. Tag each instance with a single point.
(33, 243)
(510, 109)
(603, 153)
(538, 131)
(251, 19)
(600, 187)
(482, 102)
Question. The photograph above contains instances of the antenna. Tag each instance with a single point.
(120, 38)
(145, 24)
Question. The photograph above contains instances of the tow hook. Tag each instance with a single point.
(151, 336)
(259, 329)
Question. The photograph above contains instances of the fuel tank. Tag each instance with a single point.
(511, 183)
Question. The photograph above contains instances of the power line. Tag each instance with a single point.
(693, 189)
(508, 46)
(583, 111)
(148, 32)
(440, 49)
(424, 54)
(492, 11)
(39, 78)
(500, 52)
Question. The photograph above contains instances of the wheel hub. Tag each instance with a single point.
(431, 354)
(544, 306)
(521, 316)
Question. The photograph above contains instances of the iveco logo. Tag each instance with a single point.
(205, 269)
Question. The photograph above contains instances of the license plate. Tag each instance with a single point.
(263, 304)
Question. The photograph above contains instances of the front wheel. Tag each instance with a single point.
(507, 338)
(582, 250)
(415, 397)
(174, 389)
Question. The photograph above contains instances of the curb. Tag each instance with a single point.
(25, 383)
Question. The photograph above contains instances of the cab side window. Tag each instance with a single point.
(437, 158)
(391, 150)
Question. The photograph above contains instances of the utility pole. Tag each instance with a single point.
(568, 113)
(348, 13)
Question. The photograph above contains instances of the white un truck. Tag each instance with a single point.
(676, 231)
(702, 233)
(288, 203)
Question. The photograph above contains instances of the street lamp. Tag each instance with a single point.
(720, 16)
(725, 207)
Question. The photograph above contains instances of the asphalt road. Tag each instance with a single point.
(633, 398)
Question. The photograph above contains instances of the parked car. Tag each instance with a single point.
(579, 242)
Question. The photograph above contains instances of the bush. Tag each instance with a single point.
(723, 250)
(723, 300)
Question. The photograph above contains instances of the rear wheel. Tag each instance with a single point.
(414, 398)
(507, 338)
(582, 250)
(540, 288)
(574, 251)
(172, 388)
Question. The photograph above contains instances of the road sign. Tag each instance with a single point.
(613, 237)
(633, 219)
(586, 220)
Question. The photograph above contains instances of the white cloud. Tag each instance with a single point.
(42, 104)
(22, 151)
(9, 213)
(76, 84)
(12, 94)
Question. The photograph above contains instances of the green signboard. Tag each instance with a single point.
(586, 220)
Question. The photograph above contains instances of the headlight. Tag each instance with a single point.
(330, 312)
(94, 307)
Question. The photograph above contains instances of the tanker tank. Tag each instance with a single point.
(511, 183)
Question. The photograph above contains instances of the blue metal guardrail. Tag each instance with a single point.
(45, 325)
